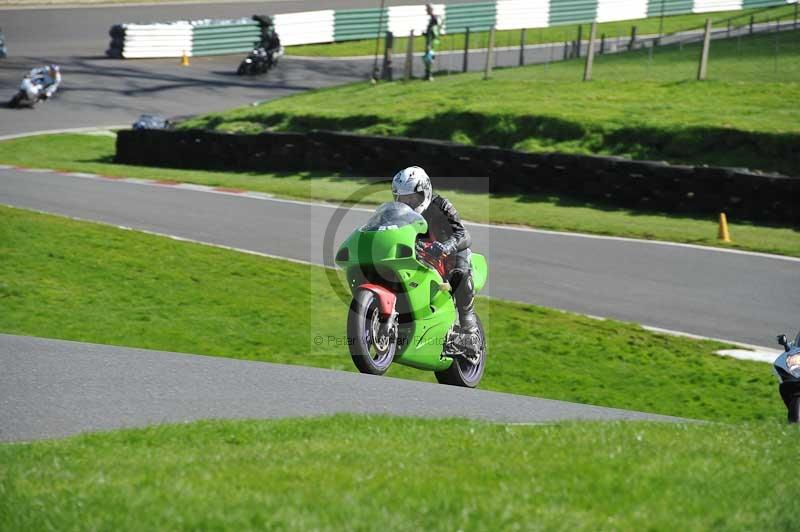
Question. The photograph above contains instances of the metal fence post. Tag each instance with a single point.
(602, 43)
(702, 70)
(489, 55)
(387, 74)
(465, 67)
(752, 21)
(579, 40)
(522, 48)
(795, 15)
(409, 70)
(587, 70)
(632, 44)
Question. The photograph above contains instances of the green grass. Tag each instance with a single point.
(560, 34)
(72, 280)
(635, 107)
(363, 473)
(89, 153)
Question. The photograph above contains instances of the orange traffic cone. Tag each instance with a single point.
(723, 233)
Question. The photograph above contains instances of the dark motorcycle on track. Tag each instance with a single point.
(259, 61)
(787, 367)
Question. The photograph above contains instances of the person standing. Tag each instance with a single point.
(431, 41)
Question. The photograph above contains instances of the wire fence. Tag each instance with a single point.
(763, 45)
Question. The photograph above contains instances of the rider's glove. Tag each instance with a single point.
(438, 250)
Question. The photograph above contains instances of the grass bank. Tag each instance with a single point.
(612, 30)
(638, 106)
(80, 281)
(347, 472)
(91, 153)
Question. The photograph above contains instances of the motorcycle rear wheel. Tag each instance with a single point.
(462, 372)
(371, 355)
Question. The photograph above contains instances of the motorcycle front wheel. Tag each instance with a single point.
(462, 372)
(13, 103)
(371, 352)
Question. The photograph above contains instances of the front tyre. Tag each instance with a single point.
(462, 372)
(794, 410)
(372, 352)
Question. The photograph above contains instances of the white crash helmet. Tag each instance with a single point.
(412, 186)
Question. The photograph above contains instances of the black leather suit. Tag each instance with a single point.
(445, 226)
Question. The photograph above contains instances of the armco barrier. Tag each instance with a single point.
(354, 24)
(157, 40)
(404, 19)
(515, 14)
(572, 12)
(477, 17)
(646, 185)
(612, 10)
(217, 37)
(656, 8)
(306, 28)
(225, 36)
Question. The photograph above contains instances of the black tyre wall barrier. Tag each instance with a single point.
(648, 185)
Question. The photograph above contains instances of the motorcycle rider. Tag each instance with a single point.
(412, 186)
(49, 77)
(270, 40)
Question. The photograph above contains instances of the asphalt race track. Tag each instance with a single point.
(740, 297)
(98, 91)
(99, 387)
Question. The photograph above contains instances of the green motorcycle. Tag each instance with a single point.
(402, 309)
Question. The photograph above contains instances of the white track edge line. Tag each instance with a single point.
(57, 131)
(266, 197)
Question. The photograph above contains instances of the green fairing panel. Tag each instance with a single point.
(480, 271)
(389, 254)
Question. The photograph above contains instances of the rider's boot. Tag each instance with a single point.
(465, 303)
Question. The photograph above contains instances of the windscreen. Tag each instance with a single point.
(391, 216)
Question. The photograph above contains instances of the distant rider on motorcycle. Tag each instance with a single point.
(412, 186)
(49, 77)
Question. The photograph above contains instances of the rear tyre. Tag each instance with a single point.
(794, 410)
(371, 352)
(462, 372)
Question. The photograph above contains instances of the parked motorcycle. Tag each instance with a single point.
(787, 367)
(402, 309)
(259, 61)
(31, 91)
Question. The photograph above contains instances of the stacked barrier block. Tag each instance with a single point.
(216, 37)
(157, 40)
(306, 28)
(219, 37)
